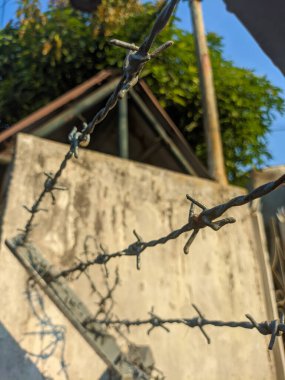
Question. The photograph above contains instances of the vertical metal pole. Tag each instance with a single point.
(215, 157)
(123, 128)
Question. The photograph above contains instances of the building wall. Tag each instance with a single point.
(107, 198)
(264, 21)
(270, 204)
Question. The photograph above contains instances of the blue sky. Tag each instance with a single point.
(239, 47)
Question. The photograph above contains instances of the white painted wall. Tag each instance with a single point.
(109, 197)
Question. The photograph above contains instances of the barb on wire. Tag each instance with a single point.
(273, 328)
(49, 188)
(105, 301)
(206, 218)
(134, 62)
(52, 337)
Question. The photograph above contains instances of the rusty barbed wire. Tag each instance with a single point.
(134, 63)
(195, 223)
(273, 328)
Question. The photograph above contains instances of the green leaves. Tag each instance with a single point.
(42, 55)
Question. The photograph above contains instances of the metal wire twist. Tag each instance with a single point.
(195, 223)
(273, 328)
(134, 62)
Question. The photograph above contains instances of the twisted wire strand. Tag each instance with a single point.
(274, 328)
(100, 116)
(195, 223)
(259, 192)
(160, 23)
(134, 63)
(49, 187)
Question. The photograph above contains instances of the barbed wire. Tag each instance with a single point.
(134, 63)
(105, 301)
(195, 223)
(274, 328)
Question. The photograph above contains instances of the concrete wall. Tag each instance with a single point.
(107, 198)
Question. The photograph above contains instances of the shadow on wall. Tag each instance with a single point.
(14, 363)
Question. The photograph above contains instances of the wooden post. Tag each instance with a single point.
(215, 155)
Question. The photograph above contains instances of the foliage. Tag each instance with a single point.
(43, 54)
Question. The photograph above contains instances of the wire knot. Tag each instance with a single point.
(49, 182)
(78, 139)
(133, 65)
(156, 322)
(102, 258)
(136, 248)
(273, 328)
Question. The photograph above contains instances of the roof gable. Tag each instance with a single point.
(153, 137)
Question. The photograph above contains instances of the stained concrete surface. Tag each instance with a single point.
(107, 198)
